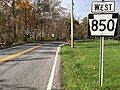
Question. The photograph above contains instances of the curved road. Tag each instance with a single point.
(29, 70)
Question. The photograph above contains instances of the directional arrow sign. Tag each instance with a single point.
(102, 24)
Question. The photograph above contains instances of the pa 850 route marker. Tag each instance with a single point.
(102, 22)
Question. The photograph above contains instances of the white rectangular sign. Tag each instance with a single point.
(103, 6)
(102, 24)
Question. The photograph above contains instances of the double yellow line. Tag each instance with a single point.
(17, 54)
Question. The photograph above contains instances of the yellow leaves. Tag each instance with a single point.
(24, 9)
(18, 7)
(25, 1)
(24, 4)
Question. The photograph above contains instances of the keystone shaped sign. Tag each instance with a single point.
(102, 24)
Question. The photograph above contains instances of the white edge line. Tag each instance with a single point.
(49, 86)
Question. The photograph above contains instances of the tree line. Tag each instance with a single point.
(24, 21)
(28, 21)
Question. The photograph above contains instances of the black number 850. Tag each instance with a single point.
(96, 24)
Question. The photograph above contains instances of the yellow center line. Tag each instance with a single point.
(17, 54)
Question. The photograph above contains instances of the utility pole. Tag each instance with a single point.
(72, 32)
(14, 16)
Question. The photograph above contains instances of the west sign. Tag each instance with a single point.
(103, 7)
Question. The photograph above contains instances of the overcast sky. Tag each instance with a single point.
(83, 7)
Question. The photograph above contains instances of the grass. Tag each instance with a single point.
(80, 66)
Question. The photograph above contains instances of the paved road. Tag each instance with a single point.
(30, 71)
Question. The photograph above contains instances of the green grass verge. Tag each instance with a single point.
(80, 66)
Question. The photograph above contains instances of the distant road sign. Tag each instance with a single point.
(103, 7)
(102, 24)
(27, 32)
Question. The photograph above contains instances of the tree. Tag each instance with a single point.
(84, 28)
(23, 21)
(24, 9)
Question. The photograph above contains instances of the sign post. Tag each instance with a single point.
(101, 60)
(102, 23)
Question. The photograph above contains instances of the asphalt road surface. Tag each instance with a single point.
(31, 69)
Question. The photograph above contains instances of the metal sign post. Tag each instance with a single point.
(101, 60)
